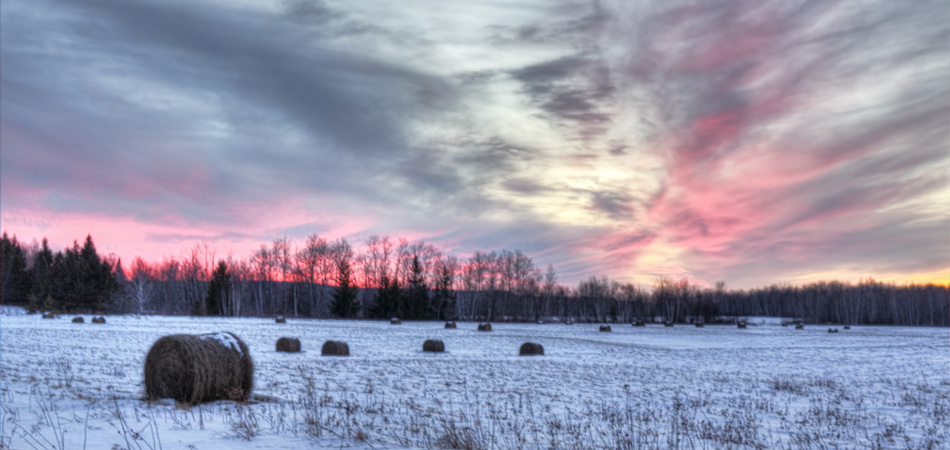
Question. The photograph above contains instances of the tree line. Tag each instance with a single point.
(417, 281)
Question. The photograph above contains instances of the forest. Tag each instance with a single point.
(389, 277)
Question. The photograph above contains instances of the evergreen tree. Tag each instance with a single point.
(344, 296)
(443, 305)
(41, 273)
(387, 302)
(417, 300)
(15, 281)
(219, 292)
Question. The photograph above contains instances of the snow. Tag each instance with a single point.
(226, 340)
(765, 386)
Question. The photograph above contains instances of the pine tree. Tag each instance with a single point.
(344, 296)
(219, 292)
(15, 283)
(418, 295)
(387, 302)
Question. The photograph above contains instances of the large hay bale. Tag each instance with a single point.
(484, 327)
(395, 321)
(531, 348)
(335, 348)
(605, 328)
(48, 315)
(78, 319)
(450, 325)
(288, 344)
(433, 345)
(280, 319)
(99, 319)
(199, 368)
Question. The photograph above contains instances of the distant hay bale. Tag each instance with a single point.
(99, 319)
(433, 345)
(605, 328)
(288, 344)
(335, 348)
(280, 319)
(569, 322)
(847, 327)
(639, 323)
(48, 315)
(531, 348)
(742, 324)
(668, 324)
(395, 321)
(540, 322)
(484, 327)
(199, 368)
(451, 325)
(832, 330)
(78, 319)
(799, 326)
(700, 325)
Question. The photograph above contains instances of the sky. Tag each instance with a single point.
(754, 142)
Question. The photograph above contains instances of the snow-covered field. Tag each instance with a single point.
(67, 385)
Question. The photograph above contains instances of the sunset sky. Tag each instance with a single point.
(753, 142)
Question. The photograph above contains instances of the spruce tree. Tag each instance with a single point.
(387, 302)
(418, 295)
(219, 291)
(344, 303)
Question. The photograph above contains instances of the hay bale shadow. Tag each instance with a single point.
(335, 348)
(531, 348)
(484, 327)
(199, 368)
(78, 319)
(288, 345)
(433, 345)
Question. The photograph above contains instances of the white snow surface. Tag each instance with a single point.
(66, 385)
(226, 339)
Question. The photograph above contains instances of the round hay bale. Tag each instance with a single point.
(450, 325)
(199, 368)
(78, 319)
(48, 315)
(484, 327)
(667, 324)
(700, 324)
(799, 326)
(395, 321)
(832, 330)
(433, 345)
(605, 328)
(288, 344)
(99, 319)
(531, 348)
(743, 325)
(335, 348)
(639, 323)
(847, 327)
(569, 322)
(280, 319)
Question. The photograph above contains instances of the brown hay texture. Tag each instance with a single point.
(605, 328)
(395, 321)
(484, 327)
(199, 368)
(99, 319)
(288, 344)
(335, 348)
(531, 348)
(78, 319)
(450, 325)
(433, 345)
(280, 319)
(48, 315)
